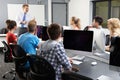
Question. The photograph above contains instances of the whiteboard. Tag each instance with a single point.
(36, 11)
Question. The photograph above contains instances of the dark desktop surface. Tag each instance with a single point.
(102, 68)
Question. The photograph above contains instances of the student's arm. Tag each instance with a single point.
(38, 46)
(62, 58)
(36, 42)
(107, 48)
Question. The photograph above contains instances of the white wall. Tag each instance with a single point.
(82, 10)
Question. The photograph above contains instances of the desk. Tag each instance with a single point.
(2, 38)
(102, 68)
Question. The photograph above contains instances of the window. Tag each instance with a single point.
(115, 8)
(106, 9)
(102, 10)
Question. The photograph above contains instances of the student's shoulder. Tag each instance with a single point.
(59, 45)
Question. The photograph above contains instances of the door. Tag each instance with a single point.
(59, 13)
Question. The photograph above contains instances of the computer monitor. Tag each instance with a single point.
(39, 31)
(65, 28)
(44, 33)
(78, 40)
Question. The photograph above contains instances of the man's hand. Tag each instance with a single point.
(23, 22)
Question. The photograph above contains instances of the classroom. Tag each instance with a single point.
(60, 40)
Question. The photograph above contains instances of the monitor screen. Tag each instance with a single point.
(39, 31)
(44, 33)
(78, 40)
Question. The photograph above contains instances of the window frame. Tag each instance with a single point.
(94, 7)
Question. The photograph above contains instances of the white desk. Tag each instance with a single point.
(2, 38)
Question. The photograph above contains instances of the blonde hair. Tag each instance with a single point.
(32, 25)
(76, 22)
(115, 24)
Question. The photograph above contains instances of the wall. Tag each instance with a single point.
(3, 8)
(78, 8)
(82, 10)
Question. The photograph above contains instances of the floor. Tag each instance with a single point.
(5, 67)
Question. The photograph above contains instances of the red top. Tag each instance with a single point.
(11, 38)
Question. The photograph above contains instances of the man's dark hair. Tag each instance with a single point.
(98, 19)
(32, 26)
(54, 31)
(11, 24)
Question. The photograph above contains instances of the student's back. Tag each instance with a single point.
(54, 52)
(28, 42)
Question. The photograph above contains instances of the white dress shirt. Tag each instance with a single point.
(20, 16)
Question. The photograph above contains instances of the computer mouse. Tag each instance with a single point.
(94, 63)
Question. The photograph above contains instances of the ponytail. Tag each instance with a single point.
(11, 24)
(77, 23)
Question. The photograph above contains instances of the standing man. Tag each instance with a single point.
(23, 18)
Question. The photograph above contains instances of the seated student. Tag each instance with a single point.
(53, 51)
(113, 25)
(11, 37)
(29, 42)
(99, 35)
(5, 30)
(75, 23)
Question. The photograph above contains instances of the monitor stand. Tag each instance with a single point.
(78, 57)
(102, 55)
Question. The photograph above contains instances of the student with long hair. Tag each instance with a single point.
(75, 23)
(11, 37)
(113, 25)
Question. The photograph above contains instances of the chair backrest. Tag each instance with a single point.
(19, 54)
(3, 31)
(7, 52)
(20, 58)
(18, 51)
(40, 68)
(68, 75)
(115, 51)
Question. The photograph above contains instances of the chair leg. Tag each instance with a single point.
(12, 71)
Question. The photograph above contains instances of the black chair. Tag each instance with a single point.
(4, 31)
(68, 75)
(7, 59)
(20, 59)
(40, 69)
(115, 51)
